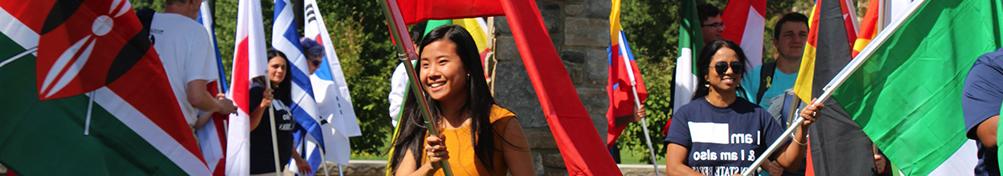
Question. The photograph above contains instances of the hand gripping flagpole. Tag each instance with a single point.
(399, 33)
(275, 140)
(637, 104)
(837, 81)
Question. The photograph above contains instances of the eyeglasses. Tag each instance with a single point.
(721, 67)
(315, 62)
(717, 25)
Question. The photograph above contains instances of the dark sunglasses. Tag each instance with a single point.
(315, 62)
(737, 67)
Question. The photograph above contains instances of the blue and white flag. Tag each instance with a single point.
(212, 135)
(304, 107)
(331, 90)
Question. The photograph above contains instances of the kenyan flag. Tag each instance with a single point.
(84, 93)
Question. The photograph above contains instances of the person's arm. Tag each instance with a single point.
(792, 158)
(261, 107)
(515, 148)
(986, 131)
(435, 149)
(301, 163)
(675, 158)
(200, 98)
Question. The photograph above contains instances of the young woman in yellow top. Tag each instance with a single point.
(477, 136)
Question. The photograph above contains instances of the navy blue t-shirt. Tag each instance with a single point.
(983, 94)
(722, 141)
(262, 155)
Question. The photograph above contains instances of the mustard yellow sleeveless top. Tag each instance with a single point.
(462, 158)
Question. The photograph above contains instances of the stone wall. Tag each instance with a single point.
(580, 32)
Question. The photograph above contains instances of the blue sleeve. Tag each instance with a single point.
(983, 92)
(750, 84)
(679, 130)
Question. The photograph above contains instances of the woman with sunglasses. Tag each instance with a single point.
(719, 133)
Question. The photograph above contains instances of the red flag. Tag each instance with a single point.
(72, 61)
(582, 149)
(249, 61)
(624, 79)
(415, 11)
(869, 28)
(744, 23)
(97, 46)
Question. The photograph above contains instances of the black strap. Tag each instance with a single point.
(765, 80)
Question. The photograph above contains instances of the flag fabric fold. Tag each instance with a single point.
(624, 81)
(684, 80)
(90, 89)
(212, 135)
(249, 61)
(304, 107)
(938, 42)
(547, 73)
(558, 99)
(837, 146)
(415, 11)
(331, 91)
(745, 26)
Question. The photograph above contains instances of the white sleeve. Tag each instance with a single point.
(202, 61)
(398, 86)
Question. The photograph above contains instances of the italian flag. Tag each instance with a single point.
(85, 94)
(904, 89)
(690, 41)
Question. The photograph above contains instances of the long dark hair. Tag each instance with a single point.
(479, 101)
(282, 90)
(703, 63)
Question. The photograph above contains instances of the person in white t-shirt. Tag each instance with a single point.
(188, 58)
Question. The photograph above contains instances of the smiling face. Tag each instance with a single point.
(276, 70)
(442, 72)
(731, 77)
(792, 40)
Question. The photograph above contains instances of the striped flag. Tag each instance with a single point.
(684, 81)
(834, 139)
(917, 122)
(304, 106)
(806, 74)
(745, 26)
(94, 96)
(625, 79)
(331, 91)
(869, 27)
(249, 61)
(212, 135)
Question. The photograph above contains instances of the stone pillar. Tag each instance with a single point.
(580, 32)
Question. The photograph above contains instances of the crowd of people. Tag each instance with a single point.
(734, 116)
